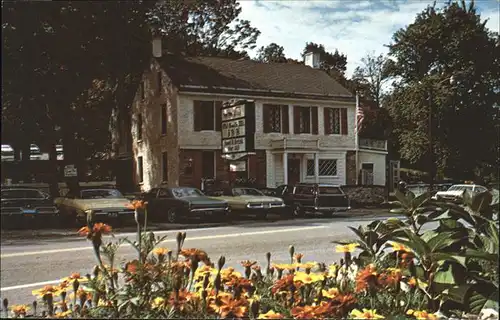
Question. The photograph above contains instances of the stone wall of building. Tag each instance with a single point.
(362, 196)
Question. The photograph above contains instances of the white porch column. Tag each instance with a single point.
(270, 170)
(285, 167)
(316, 167)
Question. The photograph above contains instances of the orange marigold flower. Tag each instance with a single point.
(62, 314)
(179, 301)
(161, 251)
(298, 257)
(305, 312)
(74, 276)
(196, 253)
(271, 315)
(422, 315)
(390, 278)
(350, 247)
(53, 290)
(137, 204)
(283, 284)
(366, 314)
(81, 294)
(248, 263)
(366, 278)
(228, 307)
(98, 228)
(19, 309)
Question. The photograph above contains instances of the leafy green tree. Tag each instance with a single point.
(443, 44)
(372, 74)
(271, 53)
(334, 63)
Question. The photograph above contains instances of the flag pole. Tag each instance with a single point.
(356, 137)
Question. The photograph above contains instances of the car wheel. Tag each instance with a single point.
(172, 216)
(298, 212)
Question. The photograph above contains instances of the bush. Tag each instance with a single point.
(399, 271)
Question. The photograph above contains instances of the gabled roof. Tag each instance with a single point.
(215, 75)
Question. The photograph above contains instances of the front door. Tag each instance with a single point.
(293, 171)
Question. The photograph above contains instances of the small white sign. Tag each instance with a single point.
(70, 171)
(234, 128)
(233, 145)
(233, 112)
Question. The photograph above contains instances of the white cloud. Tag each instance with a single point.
(353, 27)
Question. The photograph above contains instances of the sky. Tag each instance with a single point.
(354, 27)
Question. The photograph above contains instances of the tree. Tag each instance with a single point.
(372, 74)
(439, 44)
(333, 63)
(271, 53)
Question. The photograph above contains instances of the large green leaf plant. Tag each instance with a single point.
(454, 247)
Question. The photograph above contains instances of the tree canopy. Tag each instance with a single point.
(271, 53)
(446, 44)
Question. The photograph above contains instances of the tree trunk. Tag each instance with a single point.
(70, 158)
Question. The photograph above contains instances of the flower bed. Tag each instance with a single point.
(394, 270)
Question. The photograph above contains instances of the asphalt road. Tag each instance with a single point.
(30, 263)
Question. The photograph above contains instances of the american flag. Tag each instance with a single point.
(360, 115)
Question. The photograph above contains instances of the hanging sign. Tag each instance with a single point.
(238, 127)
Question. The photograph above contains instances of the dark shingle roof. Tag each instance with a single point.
(226, 74)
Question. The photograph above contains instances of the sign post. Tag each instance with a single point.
(238, 129)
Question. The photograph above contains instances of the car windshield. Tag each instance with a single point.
(186, 192)
(101, 194)
(247, 192)
(460, 188)
(21, 194)
(329, 190)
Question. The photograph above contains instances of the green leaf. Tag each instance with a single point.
(441, 256)
(419, 245)
(481, 201)
(402, 199)
(481, 297)
(420, 200)
(472, 253)
(458, 293)
(444, 277)
(442, 240)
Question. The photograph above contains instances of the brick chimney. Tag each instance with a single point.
(312, 59)
(157, 49)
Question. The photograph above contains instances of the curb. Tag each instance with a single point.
(54, 234)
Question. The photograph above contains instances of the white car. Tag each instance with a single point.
(456, 192)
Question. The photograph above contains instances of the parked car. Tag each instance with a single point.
(173, 204)
(250, 201)
(7, 153)
(107, 204)
(456, 192)
(21, 203)
(311, 198)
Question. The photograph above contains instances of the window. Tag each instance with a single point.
(208, 164)
(275, 118)
(188, 166)
(139, 126)
(160, 84)
(304, 120)
(327, 168)
(335, 120)
(164, 165)
(207, 115)
(142, 88)
(164, 118)
(140, 169)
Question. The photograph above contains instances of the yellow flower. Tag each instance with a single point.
(62, 314)
(350, 247)
(330, 293)
(365, 314)
(399, 247)
(422, 315)
(284, 266)
(19, 309)
(74, 276)
(271, 315)
(308, 278)
(53, 290)
(158, 303)
(229, 272)
(307, 265)
(332, 270)
(205, 270)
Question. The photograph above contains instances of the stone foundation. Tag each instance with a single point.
(363, 196)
